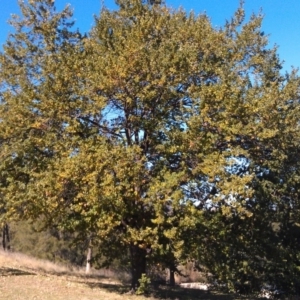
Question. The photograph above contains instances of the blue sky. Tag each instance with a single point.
(281, 22)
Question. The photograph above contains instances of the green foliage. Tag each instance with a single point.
(127, 137)
(48, 244)
(144, 285)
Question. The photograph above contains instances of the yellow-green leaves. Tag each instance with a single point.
(157, 133)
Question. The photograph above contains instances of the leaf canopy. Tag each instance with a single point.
(135, 136)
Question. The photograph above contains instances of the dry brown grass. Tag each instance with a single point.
(19, 260)
(23, 277)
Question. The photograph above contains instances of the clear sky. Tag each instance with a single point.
(281, 22)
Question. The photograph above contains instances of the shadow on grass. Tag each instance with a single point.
(109, 287)
(170, 293)
(14, 272)
(177, 293)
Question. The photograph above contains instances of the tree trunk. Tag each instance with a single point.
(138, 265)
(5, 237)
(88, 260)
(172, 276)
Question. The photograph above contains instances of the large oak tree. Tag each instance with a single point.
(157, 135)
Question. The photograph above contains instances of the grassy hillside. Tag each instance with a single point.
(23, 277)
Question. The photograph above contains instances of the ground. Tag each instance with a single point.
(24, 278)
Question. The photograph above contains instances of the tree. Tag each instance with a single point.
(249, 112)
(34, 90)
(5, 237)
(132, 137)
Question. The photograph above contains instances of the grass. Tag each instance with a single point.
(23, 277)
